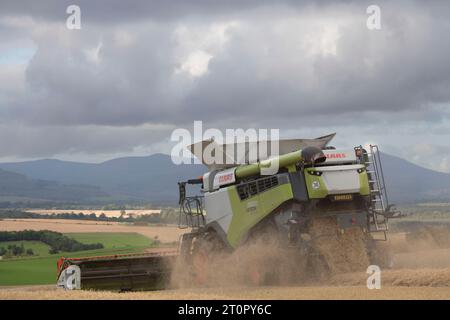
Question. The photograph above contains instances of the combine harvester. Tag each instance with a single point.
(238, 205)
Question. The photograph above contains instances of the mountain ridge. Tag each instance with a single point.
(154, 178)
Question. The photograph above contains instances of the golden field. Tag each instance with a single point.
(421, 271)
(163, 233)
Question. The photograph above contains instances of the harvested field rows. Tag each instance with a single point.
(262, 293)
(164, 233)
(421, 271)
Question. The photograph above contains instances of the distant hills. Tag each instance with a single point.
(154, 179)
(407, 182)
(15, 186)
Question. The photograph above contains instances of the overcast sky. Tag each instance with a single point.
(137, 70)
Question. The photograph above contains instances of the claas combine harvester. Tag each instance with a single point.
(239, 203)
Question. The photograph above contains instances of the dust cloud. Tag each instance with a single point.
(261, 264)
(417, 258)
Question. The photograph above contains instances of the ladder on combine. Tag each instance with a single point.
(191, 213)
(378, 220)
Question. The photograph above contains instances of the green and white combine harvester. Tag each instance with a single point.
(238, 206)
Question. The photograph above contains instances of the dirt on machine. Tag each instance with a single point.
(306, 212)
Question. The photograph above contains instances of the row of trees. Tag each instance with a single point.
(167, 216)
(19, 214)
(15, 250)
(99, 205)
(55, 240)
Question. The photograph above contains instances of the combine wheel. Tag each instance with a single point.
(205, 249)
(262, 253)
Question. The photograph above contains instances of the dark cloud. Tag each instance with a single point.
(36, 142)
(294, 65)
(118, 11)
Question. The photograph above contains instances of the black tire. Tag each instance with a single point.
(257, 270)
(265, 233)
(206, 249)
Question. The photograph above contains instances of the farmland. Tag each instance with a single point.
(421, 269)
(38, 247)
(107, 213)
(316, 292)
(41, 269)
(163, 233)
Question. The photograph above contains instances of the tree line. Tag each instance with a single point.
(55, 240)
(15, 250)
(167, 216)
(19, 214)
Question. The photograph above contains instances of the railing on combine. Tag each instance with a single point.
(191, 210)
(380, 209)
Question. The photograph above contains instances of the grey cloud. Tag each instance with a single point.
(123, 89)
(409, 73)
(118, 11)
(137, 85)
(35, 142)
(291, 65)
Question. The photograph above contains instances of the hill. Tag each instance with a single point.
(154, 178)
(407, 182)
(18, 186)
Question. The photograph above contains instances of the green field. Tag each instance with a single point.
(113, 240)
(41, 269)
(39, 248)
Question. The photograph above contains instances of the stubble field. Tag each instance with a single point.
(421, 271)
